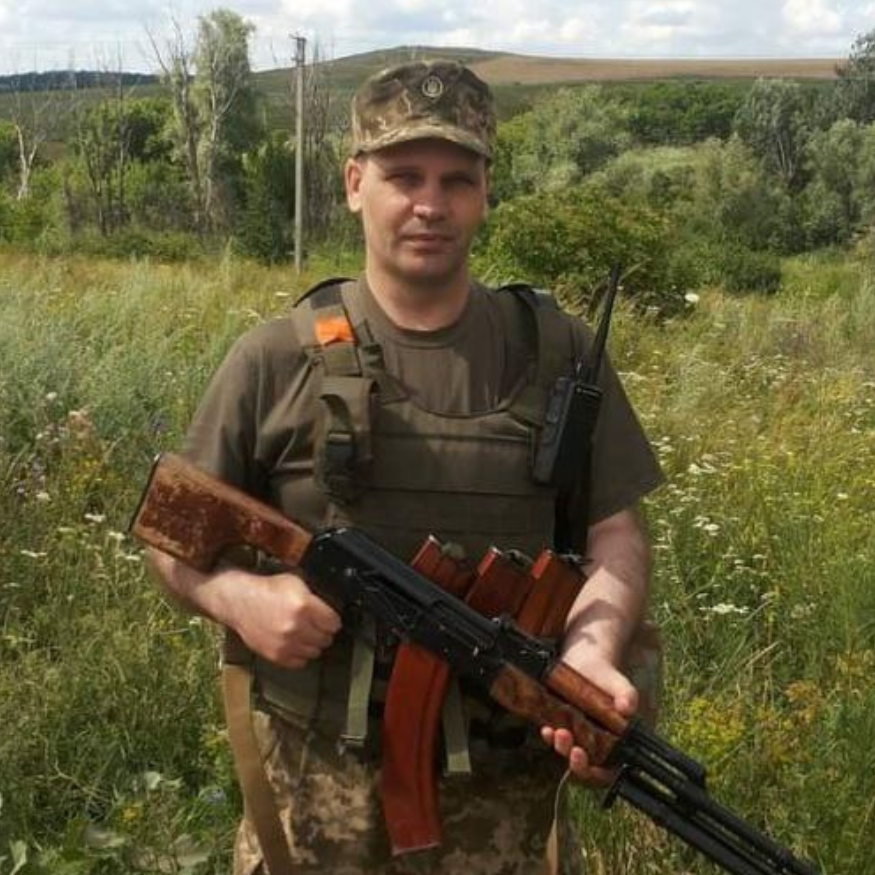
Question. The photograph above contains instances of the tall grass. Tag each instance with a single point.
(112, 755)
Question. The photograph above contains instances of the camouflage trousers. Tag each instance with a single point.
(495, 821)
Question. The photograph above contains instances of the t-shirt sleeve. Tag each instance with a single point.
(624, 466)
(221, 437)
(246, 414)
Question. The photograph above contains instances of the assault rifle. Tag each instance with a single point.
(195, 517)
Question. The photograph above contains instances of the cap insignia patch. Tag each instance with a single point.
(432, 87)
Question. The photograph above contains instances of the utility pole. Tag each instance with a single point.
(300, 58)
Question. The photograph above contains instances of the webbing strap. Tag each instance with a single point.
(259, 800)
(553, 853)
(455, 731)
(362, 676)
(533, 314)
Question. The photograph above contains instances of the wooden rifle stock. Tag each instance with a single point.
(195, 518)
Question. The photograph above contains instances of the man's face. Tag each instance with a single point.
(421, 203)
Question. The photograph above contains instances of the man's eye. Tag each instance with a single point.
(402, 178)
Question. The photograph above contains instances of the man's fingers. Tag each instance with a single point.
(324, 616)
(562, 742)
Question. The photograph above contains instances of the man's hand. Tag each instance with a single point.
(606, 677)
(601, 622)
(277, 616)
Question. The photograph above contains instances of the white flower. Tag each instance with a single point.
(724, 608)
(51, 396)
(43, 496)
(31, 554)
(691, 298)
(95, 517)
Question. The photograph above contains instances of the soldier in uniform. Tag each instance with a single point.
(406, 402)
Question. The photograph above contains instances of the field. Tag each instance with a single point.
(112, 754)
(515, 78)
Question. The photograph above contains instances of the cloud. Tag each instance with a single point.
(813, 17)
(50, 32)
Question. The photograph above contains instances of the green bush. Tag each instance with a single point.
(748, 270)
(568, 241)
(169, 246)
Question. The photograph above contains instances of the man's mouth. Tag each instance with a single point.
(428, 239)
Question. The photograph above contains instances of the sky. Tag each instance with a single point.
(58, 34)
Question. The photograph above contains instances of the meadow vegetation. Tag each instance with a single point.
(762, 410)
(744, 219)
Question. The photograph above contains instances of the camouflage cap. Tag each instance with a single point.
(423, 99)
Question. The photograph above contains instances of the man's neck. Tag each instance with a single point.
(425, 307)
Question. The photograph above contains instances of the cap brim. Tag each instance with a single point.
(426, 132)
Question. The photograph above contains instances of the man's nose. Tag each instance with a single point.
(430, 204)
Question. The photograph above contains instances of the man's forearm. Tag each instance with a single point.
(612, 602)
(195, 591)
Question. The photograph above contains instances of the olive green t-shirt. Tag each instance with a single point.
(258, 415)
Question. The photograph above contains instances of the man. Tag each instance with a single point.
(407, 403)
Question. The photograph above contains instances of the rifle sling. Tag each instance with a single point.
(258, 796)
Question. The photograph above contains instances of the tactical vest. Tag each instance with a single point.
(400, 472)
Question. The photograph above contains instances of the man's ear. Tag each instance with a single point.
(352, 180)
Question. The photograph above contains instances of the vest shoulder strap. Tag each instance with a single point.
(324, 328)
(550, 341)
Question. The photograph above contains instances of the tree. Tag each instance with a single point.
(110, 137)
(214, 109)
(34, 115)
(775, 122)
(841, 195)
(735, 200)
(560, 140)
(321, 132)
(262, 228)
(679, 113)
(568, 241)
(225, 100)
(8, 151)
(175, 60)
(855, 91)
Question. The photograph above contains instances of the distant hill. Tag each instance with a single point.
(71, 80)
(516, 79)
(504, 69)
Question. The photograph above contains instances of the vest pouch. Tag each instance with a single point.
(343, 452)
(312, 697)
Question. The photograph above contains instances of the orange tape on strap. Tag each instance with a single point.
(333, 329)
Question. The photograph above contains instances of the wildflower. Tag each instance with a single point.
(691, 298)
(51, 396)
(132, 812)
(724, 608)
(116, 536)
(842, 496)
(95, 517)
(43, 496)
(32, 554)
(214, 795)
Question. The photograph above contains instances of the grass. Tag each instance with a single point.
(112, 754)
